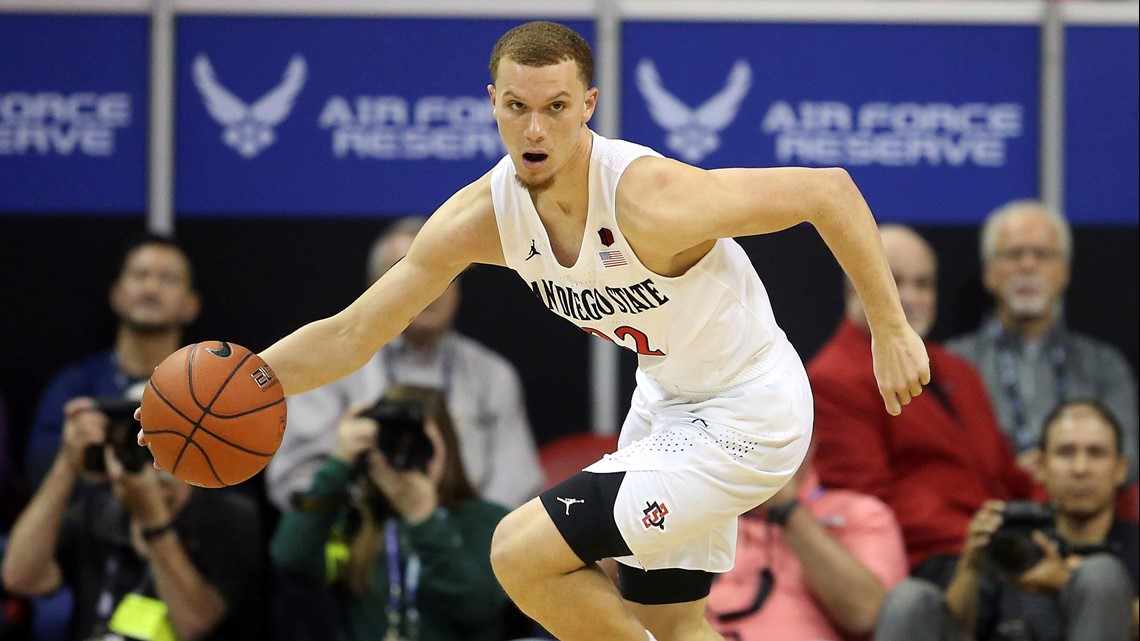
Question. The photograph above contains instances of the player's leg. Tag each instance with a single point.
(676, 621)
(548, 581)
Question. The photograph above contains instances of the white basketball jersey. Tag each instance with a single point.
(707, 330)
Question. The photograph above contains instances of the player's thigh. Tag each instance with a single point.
(527, 540)
(675, 621)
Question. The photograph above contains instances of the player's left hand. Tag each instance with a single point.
(901, 366)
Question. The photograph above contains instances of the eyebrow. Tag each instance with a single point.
(556, 96)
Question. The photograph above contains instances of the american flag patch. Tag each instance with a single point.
(612, 258)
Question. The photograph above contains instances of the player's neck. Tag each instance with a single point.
(140, 352)
(570, 193)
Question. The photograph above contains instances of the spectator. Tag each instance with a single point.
(14, 612)
(1028, 358)
(154, 554)
(940, 460)
(482, 390)
(812, 564)
(414, 548)
(1083, 587)
(10, 495)
(153, 298)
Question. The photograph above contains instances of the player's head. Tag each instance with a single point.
(154, 291)
(542, 94)
(1026, 249)
(390, 247)
(915, 269)
(1082, 464)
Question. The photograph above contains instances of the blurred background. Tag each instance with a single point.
(278, 138)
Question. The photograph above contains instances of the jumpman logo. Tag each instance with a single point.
(532, 254)
(569, 502)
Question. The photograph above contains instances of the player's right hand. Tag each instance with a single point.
(141, 438)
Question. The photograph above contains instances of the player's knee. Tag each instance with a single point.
(509, 547)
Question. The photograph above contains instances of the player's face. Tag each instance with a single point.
(542, 114)
(153, 292)
(915, 278)
(1081, 466)
(1028, 272)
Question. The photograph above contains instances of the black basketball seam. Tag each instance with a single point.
(190, 376)
(205, 412)
(247, 412)
(165, 400)
(193, 399)
(235, 445)
(209, 463)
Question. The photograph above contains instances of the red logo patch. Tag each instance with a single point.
(607, 236)
(654, 515)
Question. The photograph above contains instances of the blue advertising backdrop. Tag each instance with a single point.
(936, 123)
(73, 113)
(318, 116)
(1102, 135)
(312, 116)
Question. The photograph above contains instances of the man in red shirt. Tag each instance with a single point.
(936, 464)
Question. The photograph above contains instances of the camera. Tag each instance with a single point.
(1012, 549)
(121, 435)
(402, 438)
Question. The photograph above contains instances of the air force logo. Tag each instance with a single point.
(249, 128)
(693, 132)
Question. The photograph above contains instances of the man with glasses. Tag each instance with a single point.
(1029, 359)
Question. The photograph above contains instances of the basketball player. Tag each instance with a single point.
(634, 248)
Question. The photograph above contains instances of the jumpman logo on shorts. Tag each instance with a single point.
(533, 252)
(569, 502)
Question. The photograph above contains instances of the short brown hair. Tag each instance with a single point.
(540, 44)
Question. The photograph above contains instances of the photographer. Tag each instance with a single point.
(1031, 573)
(153, 556)
(397, 529)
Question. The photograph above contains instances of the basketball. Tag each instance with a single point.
(213, 414)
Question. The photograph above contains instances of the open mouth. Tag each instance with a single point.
(531, 159)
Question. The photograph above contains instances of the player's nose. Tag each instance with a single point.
(534, 129)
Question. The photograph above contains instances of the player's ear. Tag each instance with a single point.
(591, 103)
(491, 94)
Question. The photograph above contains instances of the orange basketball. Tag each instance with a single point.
(213, 414)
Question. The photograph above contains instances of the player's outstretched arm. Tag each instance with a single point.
(459, 233)
(673, 207)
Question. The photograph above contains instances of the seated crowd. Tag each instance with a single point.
(994, 508)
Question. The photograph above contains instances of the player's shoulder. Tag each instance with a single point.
(464, 227)
(617, 154)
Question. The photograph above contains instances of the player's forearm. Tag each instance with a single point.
(849, 593)
(29, 561)
(318, 354)
(846, 224)
(195, 607)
